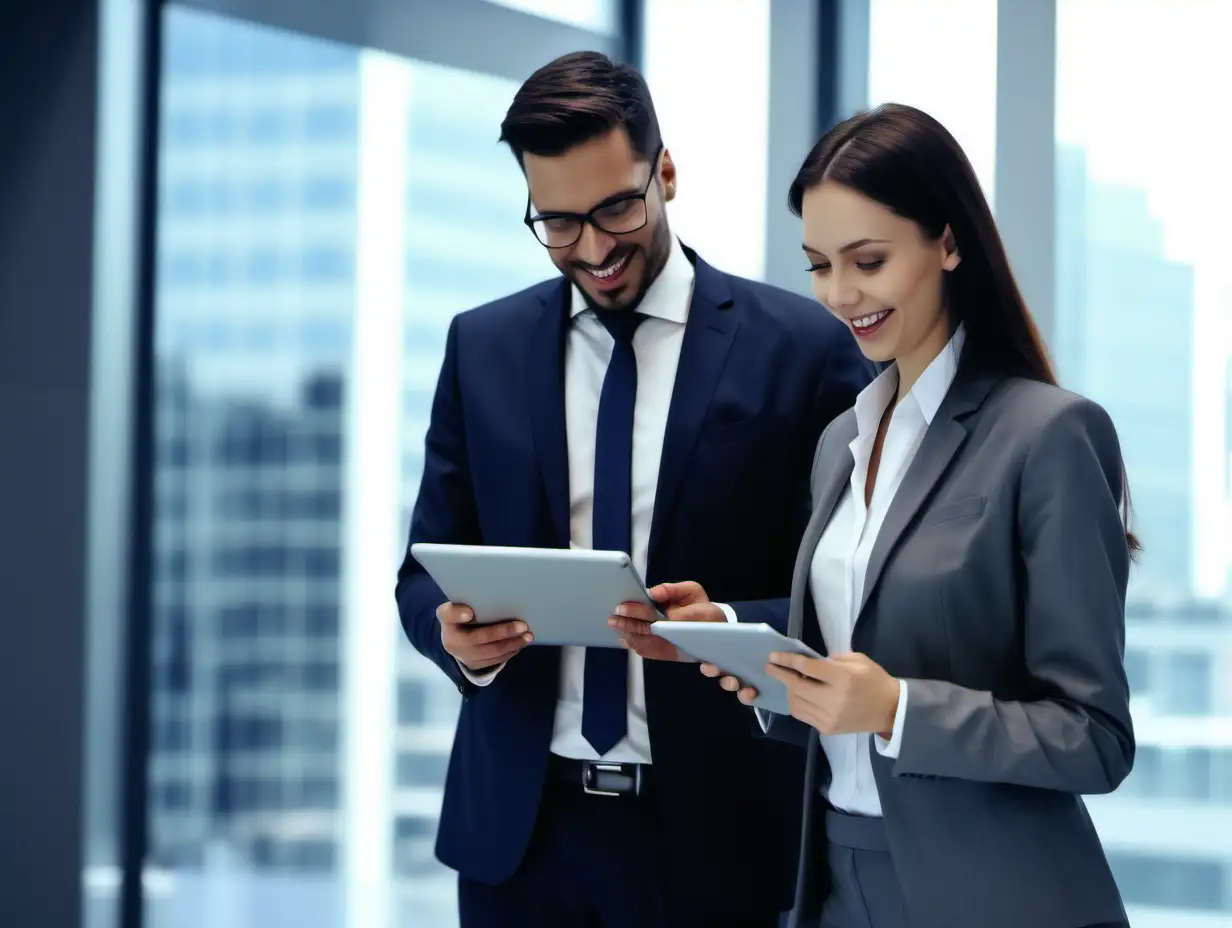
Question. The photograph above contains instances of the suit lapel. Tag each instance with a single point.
(708, 337)
(545, 378)
(945, 436)
(828, 486)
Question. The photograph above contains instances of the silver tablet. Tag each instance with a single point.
(565, 595)
(739, 650)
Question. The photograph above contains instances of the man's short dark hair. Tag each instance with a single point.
(576, 98)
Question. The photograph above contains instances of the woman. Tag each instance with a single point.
(964, 570)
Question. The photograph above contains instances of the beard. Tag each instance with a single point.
(656, 259)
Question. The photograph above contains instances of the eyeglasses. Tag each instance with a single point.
(618, 215)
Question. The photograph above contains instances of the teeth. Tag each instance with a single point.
(865, 321)
(609, 271)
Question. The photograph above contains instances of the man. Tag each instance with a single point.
(649, 403)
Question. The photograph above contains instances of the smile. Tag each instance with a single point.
(865, 326)
(612, 270)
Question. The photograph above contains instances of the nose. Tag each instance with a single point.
(841, 292)
(593, 247)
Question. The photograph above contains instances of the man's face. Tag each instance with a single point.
(612, 268)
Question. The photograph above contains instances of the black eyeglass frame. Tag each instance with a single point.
(589, 218)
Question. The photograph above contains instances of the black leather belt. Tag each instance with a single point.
(602, 778)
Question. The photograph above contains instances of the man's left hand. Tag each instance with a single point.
(679, 602)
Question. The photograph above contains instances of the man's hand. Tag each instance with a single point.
(479, 647)
(679, 602)
(840, 695)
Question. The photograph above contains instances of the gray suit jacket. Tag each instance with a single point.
(996, 589)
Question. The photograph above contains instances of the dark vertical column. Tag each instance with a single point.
(632, 24)
(65, 451)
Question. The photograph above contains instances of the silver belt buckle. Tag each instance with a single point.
(591, 769)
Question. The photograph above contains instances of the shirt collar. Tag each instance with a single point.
(927, 393)
(667, 298)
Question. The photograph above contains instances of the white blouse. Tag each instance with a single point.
(840, 563)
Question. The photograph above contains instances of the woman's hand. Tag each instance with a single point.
(746, 694)
(679, 602)
(839, 695)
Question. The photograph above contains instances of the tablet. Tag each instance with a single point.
(740, 650)
(565, 595)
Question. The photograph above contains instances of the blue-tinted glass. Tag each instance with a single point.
(412, 702)
(1189, 688)
(329, 123)
(1129, 237)
(266, 126)
(267, 194)
(1171, 882)
(264, 265)
(188, 127)
(329, 193)
(325, 265)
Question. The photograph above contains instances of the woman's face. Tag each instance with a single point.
(879, 274)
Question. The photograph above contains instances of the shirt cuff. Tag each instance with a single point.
(479, 679)
(728, 611)
(763, 718)
(890, 748)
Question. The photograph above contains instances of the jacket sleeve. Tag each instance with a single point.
(1077, 736)
(444, 513)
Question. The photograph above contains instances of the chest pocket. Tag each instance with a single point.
(953, 509)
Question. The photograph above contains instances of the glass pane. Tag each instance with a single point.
(1144, 326)
(595, 15)
(720, 205)
(922, 53)
(466, 245)
(318, 204)
(255, 298)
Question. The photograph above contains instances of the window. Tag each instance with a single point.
(941, 58)
(595, 15)
(314, 209)
(720, 206)
(1139, 232)
(1168, 882)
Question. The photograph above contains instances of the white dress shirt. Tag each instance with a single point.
(588, 349)
(840, 563)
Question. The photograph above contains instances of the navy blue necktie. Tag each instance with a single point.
(605, 690)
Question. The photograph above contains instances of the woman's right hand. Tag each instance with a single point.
(746, 694)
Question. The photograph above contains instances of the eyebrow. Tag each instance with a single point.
(851, 246)
(606, 201)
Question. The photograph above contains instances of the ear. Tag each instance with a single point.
(667, 175)
(952, 256)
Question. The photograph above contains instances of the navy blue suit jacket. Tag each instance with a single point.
(761, 373)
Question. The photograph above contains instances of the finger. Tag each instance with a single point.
(697, 612)
(630, 626)
(687, 592)
(495, 649)
(454, 614)
(792, 679)
(652, 647)
(803, 665)
(664, 592)
(640, 612)
(493, 661)
(501, 631)
(850, 658)
(731, 684)
(748, 695)
(710, 670)
(805, 696)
